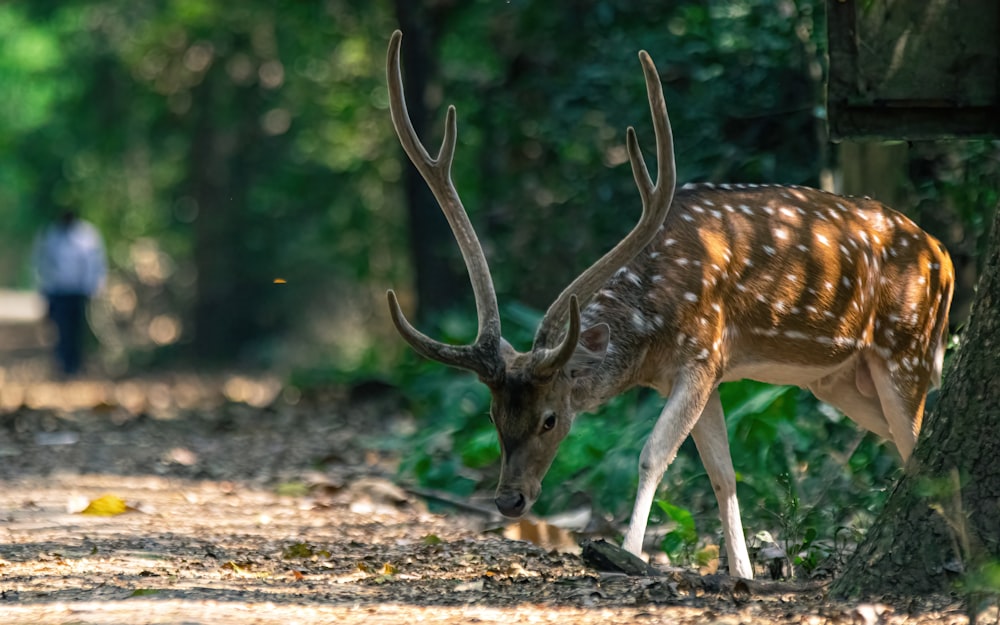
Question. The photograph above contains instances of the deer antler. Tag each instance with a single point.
(482, 356)
(656, 199)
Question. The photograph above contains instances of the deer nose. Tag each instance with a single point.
(510, 504)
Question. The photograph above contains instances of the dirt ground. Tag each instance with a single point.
(250, 504)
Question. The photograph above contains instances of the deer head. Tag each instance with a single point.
(532, 392)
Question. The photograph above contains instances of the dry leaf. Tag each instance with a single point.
(543, 534)
(106, 505)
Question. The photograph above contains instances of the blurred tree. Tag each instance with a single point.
(437, 280)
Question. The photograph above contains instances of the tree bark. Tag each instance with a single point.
(941, 523)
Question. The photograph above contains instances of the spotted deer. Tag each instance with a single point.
(781, 284)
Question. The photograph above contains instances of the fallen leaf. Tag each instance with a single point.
(145, 592)
(473, 586)
(298, 550)
(707, 559)
(106, 505)
(543, 534)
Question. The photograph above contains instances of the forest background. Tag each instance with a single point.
(241, 164)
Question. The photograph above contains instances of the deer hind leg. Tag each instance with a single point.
(902, 398)
(687, 400)
(712, 440)
(853, 391)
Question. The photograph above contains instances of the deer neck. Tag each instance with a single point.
(625, 364)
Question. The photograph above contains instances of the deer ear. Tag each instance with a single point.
(590, 351)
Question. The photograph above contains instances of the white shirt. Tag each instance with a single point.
(69, 260)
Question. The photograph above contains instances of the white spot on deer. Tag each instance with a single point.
(904, 243)
(658, 321)
(828, 285)
(802, 247)
(842, 208)
(812, 309)
(845, 341)
(780, 233)
(716, 307)
(708, 202)
(669, 242)
(741, 287)
(761, 298)
(639, 322)
(822, 239)
(689, 296)
(657, 278)
(697, 209)
(686, 217)
(654, 255)
(823, 340)
(746, 209)
(769, 210)
(703, 355)
(770, 250)
(829, 315)
(728, 207)
(780, 306)
(703, 321)
(787, 212)
(681, 338)
(801, 211)
(682, 261)
(844, 251)
(796, 335)
(820, 216)
(792, 277)
(716, 214)
(786, 194)
(846, 282)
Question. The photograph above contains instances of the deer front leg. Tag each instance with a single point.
(685, 405)
(712, 440)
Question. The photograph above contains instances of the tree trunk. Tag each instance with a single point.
(431, 244)
(941, 523)
(226, 305)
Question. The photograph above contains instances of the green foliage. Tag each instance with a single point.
(678, 543)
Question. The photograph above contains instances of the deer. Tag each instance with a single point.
(790, 285)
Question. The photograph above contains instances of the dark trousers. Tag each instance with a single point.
(68, 313)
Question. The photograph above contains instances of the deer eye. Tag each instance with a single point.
(549, 423)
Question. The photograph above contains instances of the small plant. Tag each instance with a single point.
(679, 543)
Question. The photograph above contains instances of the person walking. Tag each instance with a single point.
(70, 266)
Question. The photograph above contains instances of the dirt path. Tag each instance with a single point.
(282, 513)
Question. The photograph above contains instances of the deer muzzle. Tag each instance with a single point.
(511, 503)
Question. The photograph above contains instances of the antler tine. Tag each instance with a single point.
(549, 361)
(656, 199)
(483, 355)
